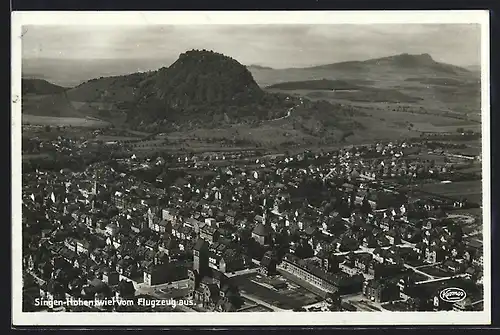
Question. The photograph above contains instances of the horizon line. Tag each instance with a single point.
(246, 65)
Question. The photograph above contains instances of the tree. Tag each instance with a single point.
(47, 129)
(366, 208)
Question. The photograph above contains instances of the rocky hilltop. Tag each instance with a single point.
(202, 88)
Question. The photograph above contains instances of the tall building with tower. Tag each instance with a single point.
(262, 232)
(200, 261)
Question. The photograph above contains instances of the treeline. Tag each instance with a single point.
(75, 163)
(322, 84)
(468, 136)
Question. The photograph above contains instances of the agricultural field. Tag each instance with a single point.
(63, 121)
(439, 159)
(471, 190)
(425, 122)
(110, 138)
(35, 156)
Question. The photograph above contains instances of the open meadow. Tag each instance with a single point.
(63, 121)
(471, 190)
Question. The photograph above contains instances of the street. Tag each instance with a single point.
(261, 302)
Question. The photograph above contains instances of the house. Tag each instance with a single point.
(207, 293)
(382, 270)
(67, 255)
(211, 222)
(478, 259)
(115, 241)
(435, 254)
(369, 241)
(214, 292)
(230, 217)
(125, 290)
(136, 226)
(268, 264)
(381, 291)
(111, 229)
(230, 300)
(169, 215)
(52, 290)
(328, 261)
(70, 243)
(182, 232)
(195, 224)
(82, 246)
(262, 233)
(156, 274)
(110, 277)
(305, 270)
(394, 237)
(362, 262)
(224, 259)
(119, 200)
(453, 266)
(347, 268)
(209, 234)
(162, 227)
(151, 245)
(96, 288)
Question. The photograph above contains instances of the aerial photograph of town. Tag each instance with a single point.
(252, 168)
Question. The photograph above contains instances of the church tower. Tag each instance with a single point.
(200, 263)
(264, 215)
(151, 217)
(94, 188)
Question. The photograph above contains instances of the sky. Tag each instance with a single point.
(278, 46)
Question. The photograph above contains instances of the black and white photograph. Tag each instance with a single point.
(254, 168)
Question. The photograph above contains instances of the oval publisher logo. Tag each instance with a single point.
(452, 294)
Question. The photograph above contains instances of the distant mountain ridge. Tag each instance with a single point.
(474, 68)
(205, 88)
(397, 61)
(254, 66)
(386, 69)
(70, 74)
(39, 86)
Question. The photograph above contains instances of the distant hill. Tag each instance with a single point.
(201, 88)
(73, 72)
(204, 94)
(108, 89)
(418, 80)
(40, 87)
(322, 84)
(50, 105)
(474, 68)
(260, 67)
(405, 61)
(392, 68)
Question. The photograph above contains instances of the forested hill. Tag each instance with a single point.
(202, 87)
